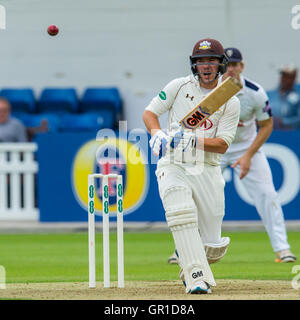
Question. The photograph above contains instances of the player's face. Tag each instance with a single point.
(4, 111)
(234, 69)
(207, 68)
(287, 80)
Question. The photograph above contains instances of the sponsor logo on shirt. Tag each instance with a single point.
(162, 95)
(191, 97)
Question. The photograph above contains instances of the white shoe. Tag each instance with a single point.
(285, 256)
(173, 259)
(200, 287)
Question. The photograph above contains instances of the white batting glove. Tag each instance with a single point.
(184, 143)
(159, 143)
(182, 139)
(175, 133)
(188, 141)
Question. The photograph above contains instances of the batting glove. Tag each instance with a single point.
(159, 143)
(181, 139)
(176, 133)
(188, 141)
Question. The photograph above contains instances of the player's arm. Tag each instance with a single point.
(159, 139)
(217, 145)
(265, 126)
(264, 130)
(225, 132)
(158, 106)
(186, 140)
(151, 122)
(226, 129)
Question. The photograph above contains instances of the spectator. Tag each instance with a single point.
(11, 129)
(285, 100)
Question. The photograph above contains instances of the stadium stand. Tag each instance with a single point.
(21, 100)
(83, 122)
(96, 99)
(98, 108)
(58, 100)
(35, 120)
(105, 101)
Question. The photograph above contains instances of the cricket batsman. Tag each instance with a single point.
(248, 159)
(194, 204)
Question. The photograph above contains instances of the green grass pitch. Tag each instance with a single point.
(64, 257)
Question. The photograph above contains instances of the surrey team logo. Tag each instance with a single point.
(205, 45)
(113, 155)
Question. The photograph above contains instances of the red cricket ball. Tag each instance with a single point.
(52, 30)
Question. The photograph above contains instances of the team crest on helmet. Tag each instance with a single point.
(204, 45)
(229, 53)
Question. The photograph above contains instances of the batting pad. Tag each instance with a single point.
(179, 206)
(216, 251)
(181, 216)
(192, 257)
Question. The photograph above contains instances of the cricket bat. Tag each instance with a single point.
(211, 103)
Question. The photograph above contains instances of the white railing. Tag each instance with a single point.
(17, 181)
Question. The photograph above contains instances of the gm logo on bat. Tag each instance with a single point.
(192, 120)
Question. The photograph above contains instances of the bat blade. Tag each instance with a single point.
(211, 103)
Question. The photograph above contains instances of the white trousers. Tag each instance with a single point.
(207, 193)
(259, 185)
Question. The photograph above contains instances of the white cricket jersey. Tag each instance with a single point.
(182, 95)
(254, 104)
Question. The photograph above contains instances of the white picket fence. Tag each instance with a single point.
(17, 181)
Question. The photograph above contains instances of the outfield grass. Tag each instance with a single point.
(64, 257)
